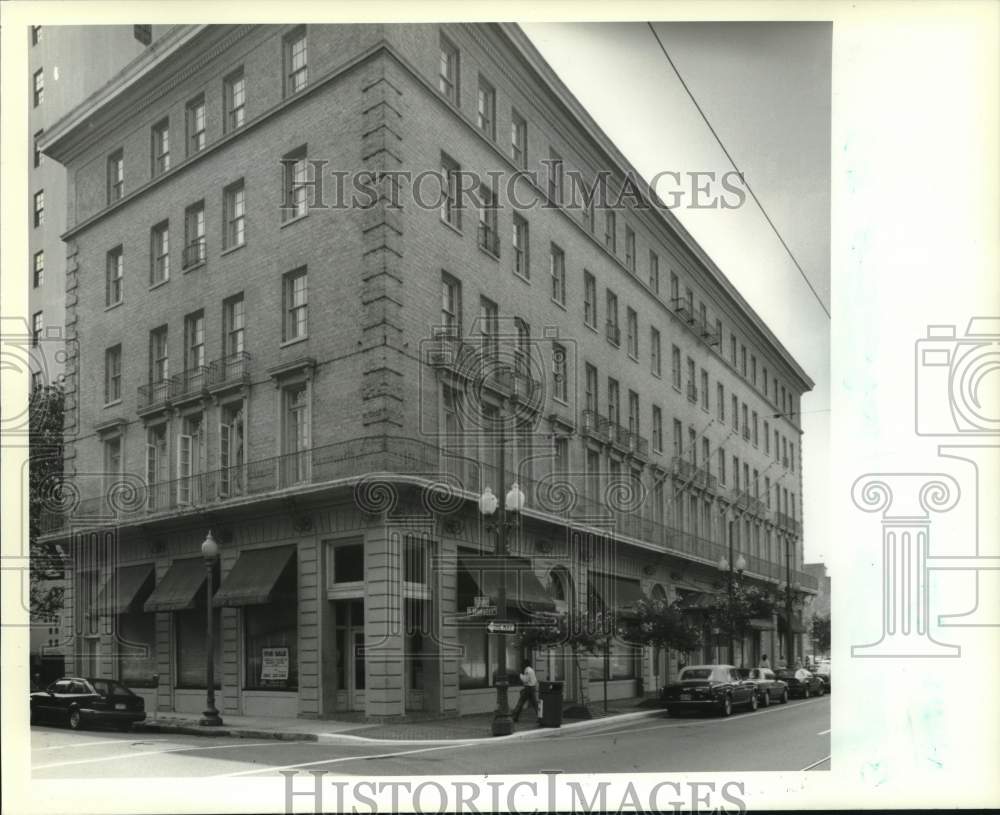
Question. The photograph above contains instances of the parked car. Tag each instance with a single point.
(79, 702)
(769, 687)
(800, 682)
(715, 688)
(823, 672)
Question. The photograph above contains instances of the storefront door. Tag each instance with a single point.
(350, 626)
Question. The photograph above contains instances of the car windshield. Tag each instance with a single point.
(695, 673)
(107, 687)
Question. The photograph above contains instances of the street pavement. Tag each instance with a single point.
(795, 736)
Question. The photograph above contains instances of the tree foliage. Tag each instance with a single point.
(662, 625)
(45, 469)
(820, 633)
(746, 603)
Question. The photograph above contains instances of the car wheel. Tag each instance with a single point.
(821, 691)
(726, 708)
(75, 720)
(784, 696)
(767, 698)
(806, 694)
(754, 701)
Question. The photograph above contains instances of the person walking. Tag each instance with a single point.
(529, 690)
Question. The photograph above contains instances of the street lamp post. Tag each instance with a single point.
(489, 505)
(727, 565)
(789, 637)
(210, 717)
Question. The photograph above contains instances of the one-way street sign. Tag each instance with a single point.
(495, 627)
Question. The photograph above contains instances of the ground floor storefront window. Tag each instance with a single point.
(189, 635)
(272, 654)
(622, 661)
(136, 649)
(480, 653)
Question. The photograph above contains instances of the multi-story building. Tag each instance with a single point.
(330, 388)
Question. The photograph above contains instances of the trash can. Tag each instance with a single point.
(550, 694)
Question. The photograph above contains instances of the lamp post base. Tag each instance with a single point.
(503, 724)
(210, 718)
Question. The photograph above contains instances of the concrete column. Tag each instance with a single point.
(384, 695)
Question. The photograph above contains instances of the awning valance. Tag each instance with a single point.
(179, 587)
(128, 587)
(618, 593)
(255, 578)
(480, 577)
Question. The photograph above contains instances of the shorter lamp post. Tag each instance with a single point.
(727, 565)
(210, 717)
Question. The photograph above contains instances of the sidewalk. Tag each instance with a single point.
(353, 727)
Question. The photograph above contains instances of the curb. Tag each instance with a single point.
(245, 733)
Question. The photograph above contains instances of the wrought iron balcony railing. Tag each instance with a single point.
(194, 253)
(229, 370)
(683, 309)
(189, 383)
(155, 394)
(594, 425)
(614, 333)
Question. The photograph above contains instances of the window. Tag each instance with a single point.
(736, 410)
(721, 464)
(36, 34)
(557, 271)
(736, 472)
(486, 118)
(451, 306)
(720, 401)
(559, 377)
(159, 363)
(489, 327)
(776, 450)
(137, 659)
(767, 438)
(692, 386)
(689, 297)
(675, 366)
(451, 211)
(518, 139)
(161, 147)
(273, 627)
(194, 235)
(654, 272)
(767, 490)
(38, 269)
(791, 455)
(36, 328)
(190, 458)
(298, 177)
(611, 305)
(704, 389)
(234, 94)
(114, 277)
(746, 421)
(157, 465)
(632, 332)
(39, 208)
(675, 288)
(195, 122)
(753, 370)
(633, 412)
(610, 237)
(295, 298)
(38, 94)
(764, 389)
(703, 316)
(589, 299)
(754, 425)
(159, 256)
(37, 159)
(732, 348)
(234, 214)
(232, 446)
(560, 455)
(194, 341)
(678, 438)
(233, 323)
(706, 448)
(657, 429)
(743, 360)
(488, 238)
(116, 176)
(555, 178)
(189, 626)
(614, 401)
(520, 245)
(448, 76)
(295, 439)
(591, 387)
(143, 33)
(655, 366)
(296, 71)
(630, 249)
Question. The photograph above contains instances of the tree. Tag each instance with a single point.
(579, 632)
(820, 633)
(662, 625)
(45, 470)
(732, 611)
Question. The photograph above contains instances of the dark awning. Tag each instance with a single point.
(179, 587)
(480, 576)
(254, 578)
(618, 593)
(128, 587)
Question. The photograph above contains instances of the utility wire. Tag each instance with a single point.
(767, 217)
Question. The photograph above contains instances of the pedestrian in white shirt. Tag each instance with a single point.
(529, 690)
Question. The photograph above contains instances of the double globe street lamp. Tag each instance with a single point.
(210, 551)
(727, 565)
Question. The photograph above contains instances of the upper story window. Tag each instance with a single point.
(732, 348)
(489, 327)
(113, 374)
(704, 390)
(486, 109)
(37, 326)
(520, 246)
(555, 177)
(38, 269)
(657, 429)
(675, 366)
(654, 272)
(36, 153)
(161, 147)
(590, 393)
(487, 233)
(114, 280)
(159, 255)
(720, 401)
(38, 87)
(296, 302)
(195, 250)
(451, 306)
(743, 360)
(36, 34)
(753, 370)
(296, 70)
(589, 299)
(234, 211)
(451, 211)
(143, 33)
(518, 139)
(560, 380)
(613, 330)
(633, 412)
(632, 332)
(195, 123)
(116, 176)
(675, 289)
(614, 401)
(610, 238)
(448, 71)
(655, 364)
(298, 180)
(159, 362)
(767, 438)
(234, 92)
(233, 325)
(630, 249)
(38, 208)
(194, 341)
(557, 271)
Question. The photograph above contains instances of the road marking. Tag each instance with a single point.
(188, 748)
(84, 744)
(821, 761)
(823, 732)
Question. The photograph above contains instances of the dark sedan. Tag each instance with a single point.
(801, 682)
(716, 688)
(79, 702)
(769, 687)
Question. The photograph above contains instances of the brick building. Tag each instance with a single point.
(328, 388)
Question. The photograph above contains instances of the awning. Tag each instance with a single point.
(128, 587)
(254, 579)
(618, 593)
(480, 576)
(761, 624)
(179, 587)
(797, 625)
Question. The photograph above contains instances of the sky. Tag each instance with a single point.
(765, 88)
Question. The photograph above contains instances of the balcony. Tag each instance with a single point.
(449, 352)
(154, 396)
(614, 333)
(683, 468)
(788, 523)
(709, 335)
(229, 371)
(683, 309)
(619, 435)
(594, 425)
(638, 445)
(190, 384)
(194, 253)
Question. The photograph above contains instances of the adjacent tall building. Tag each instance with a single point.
(325, 285)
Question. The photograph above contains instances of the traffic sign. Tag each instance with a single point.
(481, 611)
(495, 627)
